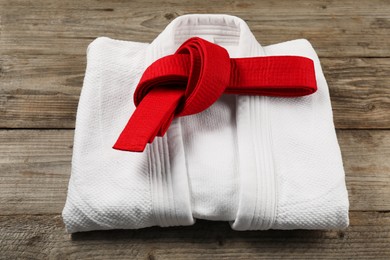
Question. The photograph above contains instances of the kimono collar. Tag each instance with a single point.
(228, 31)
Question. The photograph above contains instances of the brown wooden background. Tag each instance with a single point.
(42, 63)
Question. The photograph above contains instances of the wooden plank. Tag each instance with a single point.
(43, 91)
(34, 171)
(43, 237)
(337, 29)
(35, 168)
(367, 166)
(360, 92)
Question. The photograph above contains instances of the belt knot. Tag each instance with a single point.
(192, 79)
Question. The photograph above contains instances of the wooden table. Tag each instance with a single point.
(42, 64)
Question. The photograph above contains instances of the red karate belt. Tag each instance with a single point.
(193, 78)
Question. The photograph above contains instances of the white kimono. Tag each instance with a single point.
(257, 162)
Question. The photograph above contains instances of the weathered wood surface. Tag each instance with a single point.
(42, 237)
(42, 63)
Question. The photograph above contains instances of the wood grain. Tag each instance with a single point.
(360, 92)
(43, 237)
(43, 91)
(35, 167)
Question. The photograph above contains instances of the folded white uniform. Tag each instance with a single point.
(257, 162)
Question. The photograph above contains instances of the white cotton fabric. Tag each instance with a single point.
(257, 162)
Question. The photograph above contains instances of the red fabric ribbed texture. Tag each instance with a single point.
(193, 78)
